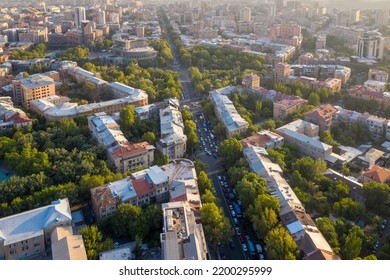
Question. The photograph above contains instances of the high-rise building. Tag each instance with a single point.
(101, 17)
(321, 41)
(382, 17)
(354, 16)
(282, 70)
(79, 16)
(370, 45)
(245, 14)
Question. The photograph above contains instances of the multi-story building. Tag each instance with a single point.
(79, 16)
(321, 41)
(322, 116)
(125, 156)
(370, 45)
(66, 246)
(264, 139)
(182, 238)
(127, 48)
(376, 174)
(251, 81)
(11, 117)
(34, 87)
(301, 134)
(227, 114)
(281, 72)
(322, 71)
(292, 213)
(366, 93)
(382, 17)
(173, 141)
(285, 107)
(175, 181)
(288, 34)
(29, 233)
(378, 75)
(375, 85)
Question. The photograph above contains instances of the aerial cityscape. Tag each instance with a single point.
(194, 130)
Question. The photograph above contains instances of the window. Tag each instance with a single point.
(36, 238)
(37, 244)
(12, 252)
(24, 241)
(11, 246)
(25, 248)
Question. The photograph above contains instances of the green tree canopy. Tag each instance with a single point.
(280, 244)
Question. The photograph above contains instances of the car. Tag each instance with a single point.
(244, 248)
(247, 237)
(208, 152)
(231, 207)
(214, 155)
(238, 231)
(231, 244)
(261, 257)
(233, 213)
(235, 221)
(259, 249)
(241, 239)
(219, 178)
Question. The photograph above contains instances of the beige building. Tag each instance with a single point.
(286, 106)
(34, 87)
(66, 246)
(302, 134)
(251, 81)
(281, 72)
(322, 116)
(29, 233)
(125, 156)
(182, 238)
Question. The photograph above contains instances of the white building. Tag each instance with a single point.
(173, 141)
(227, 114)
(370, 45)
(79, 16)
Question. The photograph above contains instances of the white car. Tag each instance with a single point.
(244, 248)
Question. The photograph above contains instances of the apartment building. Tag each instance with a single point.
(227, 114)
(288, 34)
(322, 116)
(67, 246)
(125, 156)
(281, 72)
(11, 117)
(176, 181)
(264, 139)
(34, 87)
(182, 238)
(251, 81)
(173, 141)
(378, 75)
(303, 134)
(285, 107)
(29, 233)
(292, 213)
(375, 85)
(367, 93)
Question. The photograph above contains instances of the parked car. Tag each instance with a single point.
(244, 248)
(238, 231)
(235, 221)
(231, 244)
(259, 249)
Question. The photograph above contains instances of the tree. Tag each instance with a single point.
(219, 130)
(209, 197)
(204, 182)
(352, 246)
(309, 168)
(377, 198)
(327, 228)
(127, 116)
(249, 188)
(280, 244)
(149, 137)
(200, 166)
(126, 221)
(231, 151)
(216, 226)
(186, 115)
(94, 243)
(314, 99)
(349, 209)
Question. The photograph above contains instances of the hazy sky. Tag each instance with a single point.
(360, 4)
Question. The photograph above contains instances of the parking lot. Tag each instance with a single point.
(244, 244)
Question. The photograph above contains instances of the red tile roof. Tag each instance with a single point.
(141, 186)
(322, 112)
(19, 118)
(377, 174)
(130, 150)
